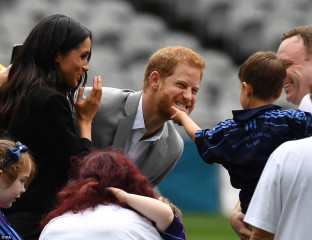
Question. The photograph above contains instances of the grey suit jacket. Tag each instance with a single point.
(113, 123)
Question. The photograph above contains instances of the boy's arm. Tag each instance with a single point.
(151, 208)
(182, 118)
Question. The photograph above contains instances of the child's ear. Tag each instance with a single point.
(247, 88)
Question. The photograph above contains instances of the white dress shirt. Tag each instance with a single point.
(135, 148)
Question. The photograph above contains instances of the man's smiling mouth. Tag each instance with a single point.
(287, 85)
(181, 106)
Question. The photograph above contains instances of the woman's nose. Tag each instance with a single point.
(85, 67)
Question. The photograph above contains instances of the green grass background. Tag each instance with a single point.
(208, 227)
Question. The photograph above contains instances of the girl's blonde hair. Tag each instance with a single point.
(13, 167)
(174, 208)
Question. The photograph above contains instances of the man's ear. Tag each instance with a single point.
(154, 80)
(247, 88)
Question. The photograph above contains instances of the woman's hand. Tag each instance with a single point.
(86, 109)
(4, 75)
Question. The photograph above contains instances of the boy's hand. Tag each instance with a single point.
(177, 115)
(118, 193)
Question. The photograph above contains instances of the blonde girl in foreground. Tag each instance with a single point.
(17, 170)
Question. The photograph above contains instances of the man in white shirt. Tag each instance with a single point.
(281, 205)
(306, 104)
(296, 52)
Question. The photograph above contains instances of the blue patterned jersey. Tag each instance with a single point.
(243, 144)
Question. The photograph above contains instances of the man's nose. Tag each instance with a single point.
(188, 94)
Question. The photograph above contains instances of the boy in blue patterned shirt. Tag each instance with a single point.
(243, 144)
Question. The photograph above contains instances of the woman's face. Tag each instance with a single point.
(74, 64)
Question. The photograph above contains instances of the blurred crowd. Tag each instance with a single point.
(126, 33)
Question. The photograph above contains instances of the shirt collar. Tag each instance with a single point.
(139, 123)
(243, 115)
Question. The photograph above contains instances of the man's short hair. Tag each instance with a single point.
(165, 60)
(303, 32)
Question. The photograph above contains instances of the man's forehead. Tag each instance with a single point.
(292, 47)
(293, 43)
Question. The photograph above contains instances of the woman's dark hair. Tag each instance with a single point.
(105, 168)
(35, 63)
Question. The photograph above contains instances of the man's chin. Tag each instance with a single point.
(291, 100)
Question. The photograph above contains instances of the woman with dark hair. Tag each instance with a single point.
(87, 209)
(36, 106)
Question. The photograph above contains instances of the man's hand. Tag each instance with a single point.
(242, 229)
(260, 234)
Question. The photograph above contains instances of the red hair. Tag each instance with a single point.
(105, 168)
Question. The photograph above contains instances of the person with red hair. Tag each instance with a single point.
(87, 208)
